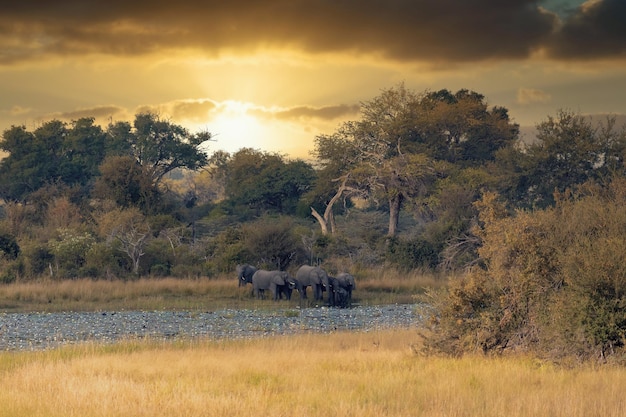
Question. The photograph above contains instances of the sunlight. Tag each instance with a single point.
(235, 127)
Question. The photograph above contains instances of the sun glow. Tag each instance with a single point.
(234, 127)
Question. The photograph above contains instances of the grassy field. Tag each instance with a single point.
(189, 294)
(342, 374)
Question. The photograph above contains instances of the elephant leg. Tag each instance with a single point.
(318, 293)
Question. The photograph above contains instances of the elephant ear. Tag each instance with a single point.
(279, 279)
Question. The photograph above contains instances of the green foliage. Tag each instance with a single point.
(160, 146)
(105, 260)
(406, 142)
(569, 151)
(69, 250)
(272, 243)
(39, 260)
(53, 153)
(407, 254)
(125, 182)
(9, 246)
(264, 182)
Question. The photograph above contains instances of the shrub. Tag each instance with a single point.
(554, 282)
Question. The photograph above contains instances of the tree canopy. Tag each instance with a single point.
(69, 154)
(404, 142)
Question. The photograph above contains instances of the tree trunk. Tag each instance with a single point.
(321, 221)
(395, 203)
(329, 218)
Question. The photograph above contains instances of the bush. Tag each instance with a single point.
(554, 282)
(411, 254)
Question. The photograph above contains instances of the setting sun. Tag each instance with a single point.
(234, 123)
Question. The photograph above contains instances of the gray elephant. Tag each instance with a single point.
(244, 274)
(340, 290)
(314, 277)
(278, 282)
(341, 297)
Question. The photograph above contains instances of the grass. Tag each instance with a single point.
(346, 374)
(373, 287)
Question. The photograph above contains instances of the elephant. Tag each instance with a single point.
(338, 296)
(244, 274)
(314, 277)
(340, 290)
(278, 282)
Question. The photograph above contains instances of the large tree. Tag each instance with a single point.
(160, 146)
(404, 142)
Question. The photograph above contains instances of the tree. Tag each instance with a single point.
(405, 142)
(9, 247)
(160, 146)
(263, 181)
(460, 128)
(54, 153)
(553, 280)
(125, 182)
(130, 230)
(568, 152)
(374, 152)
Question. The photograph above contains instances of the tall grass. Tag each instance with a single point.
(342, 374)
(373, 287)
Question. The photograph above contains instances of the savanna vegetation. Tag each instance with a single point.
(523, 238)
(347, 374)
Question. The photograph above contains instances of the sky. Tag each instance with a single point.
(273, 74)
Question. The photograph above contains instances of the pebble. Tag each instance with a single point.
(37, 331)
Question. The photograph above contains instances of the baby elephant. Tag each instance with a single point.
(276, 281)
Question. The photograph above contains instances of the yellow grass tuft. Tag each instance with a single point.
(342, 374)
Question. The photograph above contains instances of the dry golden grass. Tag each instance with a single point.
(142, 294)
(342, 374)
(379, 286)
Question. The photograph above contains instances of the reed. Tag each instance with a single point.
(347, 374)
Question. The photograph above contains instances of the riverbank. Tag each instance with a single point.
(34, 331)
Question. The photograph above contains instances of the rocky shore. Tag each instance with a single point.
(34, 331)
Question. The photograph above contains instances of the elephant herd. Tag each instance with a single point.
(339, 288)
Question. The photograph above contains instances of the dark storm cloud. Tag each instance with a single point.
(411, 30)
(597, 30)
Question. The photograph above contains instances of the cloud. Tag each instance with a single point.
(19, 110)
(402, 30)
(531, 95)
(192, 110)
(595, 30)
(102, 114)
(300, 113)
